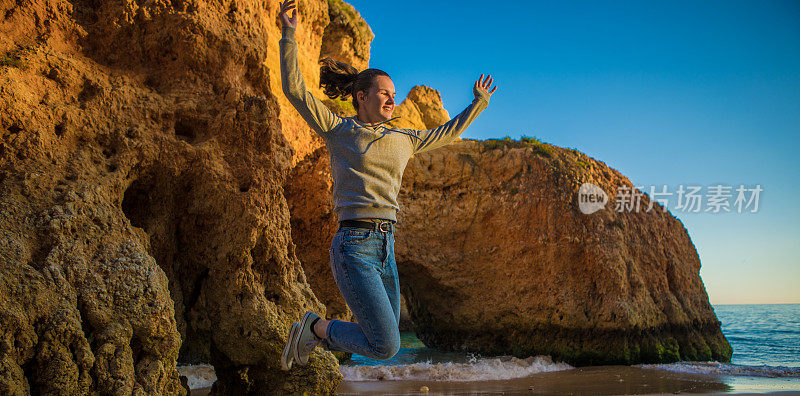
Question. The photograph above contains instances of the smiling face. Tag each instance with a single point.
(377, 104)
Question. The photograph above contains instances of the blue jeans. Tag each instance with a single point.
(363, 266)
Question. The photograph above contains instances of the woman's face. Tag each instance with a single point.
(377, 104)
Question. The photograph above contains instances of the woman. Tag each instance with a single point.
(367, 163)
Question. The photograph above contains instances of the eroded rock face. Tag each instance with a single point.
(496, 257)
(421, 109)
(142, 156)
(347, 37)
(308, 193)
(429, 103)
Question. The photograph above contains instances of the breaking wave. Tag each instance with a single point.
(199, 375)
(476, 369)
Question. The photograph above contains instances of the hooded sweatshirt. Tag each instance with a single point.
(367, 160)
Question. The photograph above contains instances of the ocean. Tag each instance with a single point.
(766, 358)
(762, 334)
(764, 338)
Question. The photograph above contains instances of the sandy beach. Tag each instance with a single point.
(599, 380)
(602, 380)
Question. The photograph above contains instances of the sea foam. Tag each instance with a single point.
(476, 369)
(199, 375)
(717, 368)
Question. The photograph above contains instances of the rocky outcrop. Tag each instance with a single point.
(496, 257)
(347, 37)
(308, 194)
(421, 109)
(406, 323)
(143, 149)
(428, 102)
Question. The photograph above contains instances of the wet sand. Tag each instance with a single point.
(598, 380)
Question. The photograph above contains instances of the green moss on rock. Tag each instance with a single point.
(342, 108)
(584, 347)
(345, 14)
(13, 59)
(538, 146)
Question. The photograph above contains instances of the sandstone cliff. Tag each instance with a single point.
(143, 148)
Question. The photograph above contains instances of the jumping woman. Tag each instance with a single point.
(367, 163)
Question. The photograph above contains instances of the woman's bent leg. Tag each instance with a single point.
(391, 281)
(361, 267)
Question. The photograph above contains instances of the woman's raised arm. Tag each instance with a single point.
(313, 111)
(444, 134)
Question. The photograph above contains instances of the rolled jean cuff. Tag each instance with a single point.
(327, 345)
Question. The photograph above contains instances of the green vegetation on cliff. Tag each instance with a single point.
(538, 146)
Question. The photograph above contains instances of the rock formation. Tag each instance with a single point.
(422, 109)
(347, 36)
(495, 257)
(143, 149)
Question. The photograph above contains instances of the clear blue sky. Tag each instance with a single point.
(668, 92)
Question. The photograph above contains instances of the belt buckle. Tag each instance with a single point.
(380, 226)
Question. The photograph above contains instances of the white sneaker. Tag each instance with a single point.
(288, 354)
(305, 341)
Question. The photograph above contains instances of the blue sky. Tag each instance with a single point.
(676, 93)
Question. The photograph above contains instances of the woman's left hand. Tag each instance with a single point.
(481, 88)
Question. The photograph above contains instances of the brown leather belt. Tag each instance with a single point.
(384, 226)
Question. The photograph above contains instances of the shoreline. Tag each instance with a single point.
(594, 380)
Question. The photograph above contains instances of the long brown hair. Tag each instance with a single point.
(338, 79)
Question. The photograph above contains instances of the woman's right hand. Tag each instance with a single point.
(287, 6)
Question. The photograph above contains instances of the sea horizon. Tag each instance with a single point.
(791, 303)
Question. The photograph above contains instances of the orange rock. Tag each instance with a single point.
(495, 257)
(143, 147)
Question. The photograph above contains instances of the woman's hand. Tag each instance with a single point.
(287, 6)
(481, 88)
